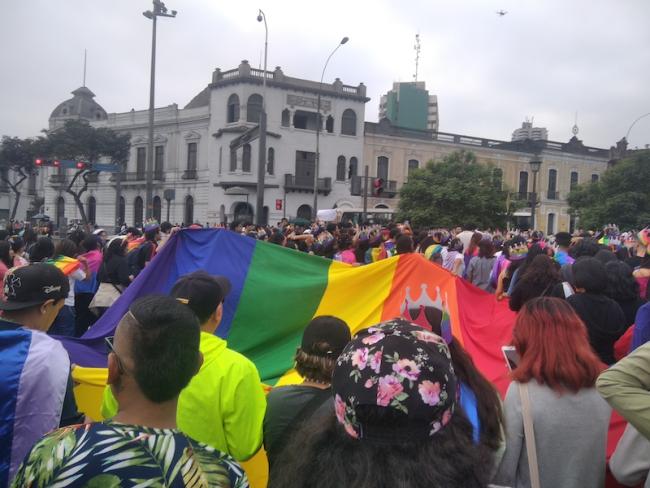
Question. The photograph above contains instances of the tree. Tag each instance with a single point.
(79, 141)
(17, 155)
(621, 196)
(455, 191)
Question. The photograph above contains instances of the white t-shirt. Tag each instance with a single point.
(77, 275)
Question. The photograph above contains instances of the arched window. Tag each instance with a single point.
(550, 224)
(574, 181)
(497, 178)
(413, 164)
(354, 167)
(189, 210)
(138, 211)
(340, 169)
(286, 118)
(552, 185)
(232, 109)
(270, 161)
(122, 211)
(329, 124)
(233, 160)
(243, 212)
(91, 210)
(523, 185)
(382, 167)
(304, 212)
(246, 159)
(254, 108)
(157, 208)
(349, 123)
(60, 211)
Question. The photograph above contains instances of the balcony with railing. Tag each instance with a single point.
(553, 195)
(356, 187)
(306, 184)
(58, 179)
(190, 174)
(138, 177)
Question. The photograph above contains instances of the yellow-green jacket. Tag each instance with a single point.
(224, 404)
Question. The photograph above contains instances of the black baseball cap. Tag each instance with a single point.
(33, 285)
(202, 292)
(329, 330)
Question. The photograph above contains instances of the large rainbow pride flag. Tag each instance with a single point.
(276, 291)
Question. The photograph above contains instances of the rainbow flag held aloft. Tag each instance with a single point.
(65, 264)
(276, 292)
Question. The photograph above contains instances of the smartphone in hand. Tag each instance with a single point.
(511, 356)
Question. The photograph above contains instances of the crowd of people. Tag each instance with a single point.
(401, 403)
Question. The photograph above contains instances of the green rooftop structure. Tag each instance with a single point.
(409, 105)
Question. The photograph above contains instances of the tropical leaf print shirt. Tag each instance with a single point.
(111, 454)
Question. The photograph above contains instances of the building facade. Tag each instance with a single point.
(198, 178)
(527, 131)
(409, 105)
(391, 153)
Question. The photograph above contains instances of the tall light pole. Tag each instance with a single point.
(633, 124)
(261, 161)
(318, 128)
(535, 165)
(159, 10)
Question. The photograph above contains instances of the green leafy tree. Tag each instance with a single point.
(78, 140)
(621, 196)
(17, 157)
(455, 191)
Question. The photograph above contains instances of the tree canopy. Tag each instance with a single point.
(455, 191)
(17, 155)
(621, 196)
(78, 140)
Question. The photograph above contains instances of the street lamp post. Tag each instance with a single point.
(261, 161)
(319, 126)
(535, 165)
(159, 10)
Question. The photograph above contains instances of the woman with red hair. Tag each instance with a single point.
(569, 418)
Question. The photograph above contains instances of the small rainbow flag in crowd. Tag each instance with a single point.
(65, 264)
(134, 243)
(276, 292)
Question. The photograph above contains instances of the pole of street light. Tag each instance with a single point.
(261, 161)
(535, 166)
(159, 10)
(633, 124)
(319, 127)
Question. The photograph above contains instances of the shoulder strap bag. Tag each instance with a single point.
(529, 435)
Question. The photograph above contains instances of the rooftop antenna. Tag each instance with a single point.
(85, 53)
(575, 129)
(417, 56)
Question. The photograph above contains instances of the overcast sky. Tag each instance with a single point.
(546, 59)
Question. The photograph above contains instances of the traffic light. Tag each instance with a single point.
(82, 165)
(378, 186)
(56, 163)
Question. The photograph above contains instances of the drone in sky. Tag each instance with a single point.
(501, 13)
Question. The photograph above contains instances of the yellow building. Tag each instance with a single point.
(391, 152)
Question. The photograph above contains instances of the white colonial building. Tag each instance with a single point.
(197, 171)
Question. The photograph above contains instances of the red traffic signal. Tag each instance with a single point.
(81, 165)
(38, 162)
(56, 163)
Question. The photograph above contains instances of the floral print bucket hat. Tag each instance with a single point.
(397, 366)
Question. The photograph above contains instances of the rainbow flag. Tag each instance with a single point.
(276, 292)
(65, 264)
(133, 243)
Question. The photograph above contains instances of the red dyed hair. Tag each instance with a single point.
(554, 347)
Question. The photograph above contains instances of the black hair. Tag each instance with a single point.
(66, 247)
(404, 244)
(322, 455)
(533, 251)
(134, 231)
(90, 243)
(150, 235)
(4, 234)
(590, 274)
(621, 285)
(42, 249)
(456, 245)
(5, 257)
(77, 236)
(344, 241)
(29, 236)
(586, 247)
(164, 346)
(488, 401)
(17, 244)
(165, 227)
(426, 243)
(563, 239)
(277, 238)
(360, 251)
(117, 247)
(394, 233)
(605, 256)
(485, 249)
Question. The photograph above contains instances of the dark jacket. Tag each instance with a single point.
(605, 322)
(525, 290)
(115, 270)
